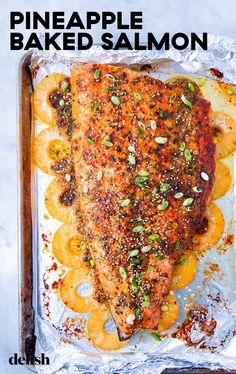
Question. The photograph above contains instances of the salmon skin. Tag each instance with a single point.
(144, 160)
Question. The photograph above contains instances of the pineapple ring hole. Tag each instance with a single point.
(75, 245)
(217, 134)
(110, 326)
(84, 289)
(57, 150)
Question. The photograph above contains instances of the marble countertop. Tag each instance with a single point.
(213, 16)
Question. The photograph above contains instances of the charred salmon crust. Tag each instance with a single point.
(144, 160)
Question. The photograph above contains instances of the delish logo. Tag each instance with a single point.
(29, 360)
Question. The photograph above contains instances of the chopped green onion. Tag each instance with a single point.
(197, 189)
(161, 114)
(178, 195)
(61, 102)
(186, 101)
(177, 245)
(131, 159)
(182, 146)
(156, 336)
(96, 107)
(140, 180)
(137, 95)
(107, 142)
(131, 148)
(140, 275)
(143, 173)
(154, 191)
(136, 219)
(204, 176)
(139, 229)
(138, 313)
(153, 124)
(124, 202)
(123, 272)
(146, 248)
(172, 98)
(188, 155)
(191, 87)
(201, 82)
(153, 237)
(133, 253)
(115, 100)
(141, 129)
(164, 308)
(134, 287)
(188, 201)
(91, 141)
(150, 267)
(163, 206)
(92, 263)
(135, 261)
(182, 262)
(164, 187)
(64, 86)
(146, 302)
(161, 140)
(97, 74)
(161, 257)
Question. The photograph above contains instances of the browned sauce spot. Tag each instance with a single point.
(55, 98)
(196, 320)
(68, 197)
(204, 226)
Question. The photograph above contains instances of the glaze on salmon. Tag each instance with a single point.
(144, 160)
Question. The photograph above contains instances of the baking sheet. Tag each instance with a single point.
(69, 350)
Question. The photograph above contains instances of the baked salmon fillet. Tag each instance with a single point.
(144, 160)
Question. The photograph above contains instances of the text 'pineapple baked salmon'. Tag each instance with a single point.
(144, 161)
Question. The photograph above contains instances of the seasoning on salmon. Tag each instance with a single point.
(150, 145)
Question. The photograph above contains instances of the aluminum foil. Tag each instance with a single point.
(61, 333)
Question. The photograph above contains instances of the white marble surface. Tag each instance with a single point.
(213, 16)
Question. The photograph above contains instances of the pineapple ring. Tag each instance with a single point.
(169, 313)
(97, 333)
(68, 246)
(214, 230)
(229, 91)
(184, 272)
(70, 295)
(42, 106)
(57, 210)
(49, 147)
(222, 181)
(224, 134)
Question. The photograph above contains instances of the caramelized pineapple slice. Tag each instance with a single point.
(169, 313)
(49, 147)
(53, 201)
(222, 181)
(184, 271)
(68, 245)
(71, 290)
(213, 227)
(229, 92)
(97, 333)
(42, 105)
(224, 134)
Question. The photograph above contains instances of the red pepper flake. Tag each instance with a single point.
(45, 238)
(216, 73)
(53, 267)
